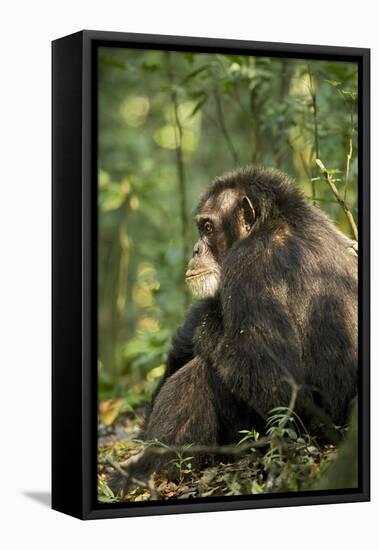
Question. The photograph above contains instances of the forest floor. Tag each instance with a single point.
(289, 462)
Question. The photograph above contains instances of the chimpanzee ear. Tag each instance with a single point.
(248, 214)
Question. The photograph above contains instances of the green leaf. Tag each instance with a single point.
(350, 93)
(111, 61)
(292, 434)
(334, 82)
(198, 106)
(196, 73)
(111, 197)
(189, 57)
(150, 66)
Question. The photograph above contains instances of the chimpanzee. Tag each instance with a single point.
(278, 289)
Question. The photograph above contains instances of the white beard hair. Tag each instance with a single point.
(204, 286)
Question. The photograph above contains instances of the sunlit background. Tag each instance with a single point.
(170, 122)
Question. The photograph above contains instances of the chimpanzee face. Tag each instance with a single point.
(224, 218)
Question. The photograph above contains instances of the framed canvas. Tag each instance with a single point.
(210, 274)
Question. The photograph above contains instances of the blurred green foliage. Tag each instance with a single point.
(169, 122)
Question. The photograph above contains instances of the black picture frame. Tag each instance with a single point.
(74, 273)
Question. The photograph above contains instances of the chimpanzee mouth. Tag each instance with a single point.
(190, 274)
(203, 283)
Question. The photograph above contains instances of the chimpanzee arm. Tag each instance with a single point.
(181, 350)
(182, 345)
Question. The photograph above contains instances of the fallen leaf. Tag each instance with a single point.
(109, 410)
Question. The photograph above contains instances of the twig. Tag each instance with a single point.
(340, 201)
(236, 95)
(348, 159)
(178, 133)
(123, 268)
(315, 126)
(116, 466)
(291, 407)
(350, 144)
(130, 479)
(233, 450)
(200, 449)
(224, 130)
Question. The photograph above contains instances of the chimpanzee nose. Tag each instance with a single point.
(198, 249)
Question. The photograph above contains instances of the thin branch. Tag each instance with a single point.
(130, 479)
(224, 130)
(181, 173)
(291, 407)
(123, 268)
(315, 125)
(347, 172)
(199, 449)
(232, 450)
(350, 148)
(236, 95)
(342, 203)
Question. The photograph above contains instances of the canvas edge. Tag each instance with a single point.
(86, 507)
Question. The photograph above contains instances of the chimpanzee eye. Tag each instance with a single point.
(208, 228)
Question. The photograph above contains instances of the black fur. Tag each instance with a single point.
(286, 307)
